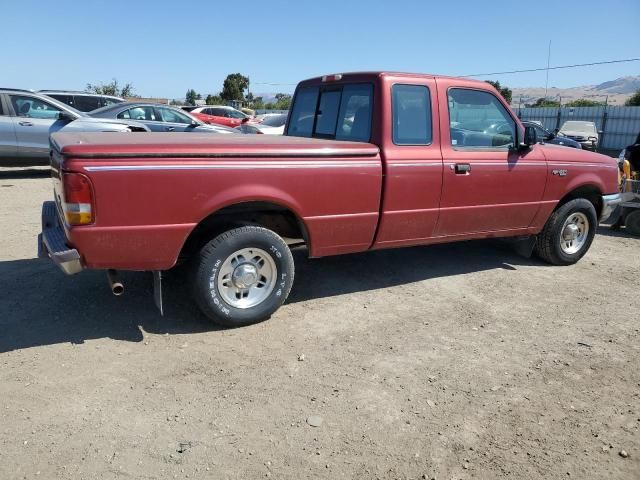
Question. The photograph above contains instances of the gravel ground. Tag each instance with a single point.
(453, 361)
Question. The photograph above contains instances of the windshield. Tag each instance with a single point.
(275, 120)
(579, 126)
(340, 112)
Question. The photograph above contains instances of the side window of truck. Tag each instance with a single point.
(411, 115)
(479, 120)
(341, 112)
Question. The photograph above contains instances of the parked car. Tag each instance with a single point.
(28, 118)
(368, 161)
(271, 125)
(582, 132)
(631, 153)
(158, 118)
(227, 116)
(546, 136)
(83, 101)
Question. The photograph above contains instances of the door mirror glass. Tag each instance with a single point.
(65, 117)
(530, 137)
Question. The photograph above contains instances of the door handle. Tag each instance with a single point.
(170, 129)
(26, 124)
(462, 168)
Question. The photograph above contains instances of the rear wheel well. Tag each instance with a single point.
(588, 192)
(269, 215)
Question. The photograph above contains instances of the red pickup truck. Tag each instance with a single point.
(368, 161)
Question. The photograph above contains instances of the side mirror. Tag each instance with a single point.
(245, 120)
(65, 116)
(194, 124)
(555, 131)
(530, 137)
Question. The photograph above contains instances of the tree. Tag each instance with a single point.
(504, 91)
(583, 102)
(234, 86)
(191, 97)
(633, 100)
(213, 100)
(112, 88)
(543, 102)
(283, 102)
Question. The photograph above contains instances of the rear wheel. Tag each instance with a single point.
(568, 233)
(243, 276)
(632, 222)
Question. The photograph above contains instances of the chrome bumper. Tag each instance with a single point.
(52, 244)
(609, 204)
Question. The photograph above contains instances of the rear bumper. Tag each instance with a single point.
(52, 244)
(609, 207)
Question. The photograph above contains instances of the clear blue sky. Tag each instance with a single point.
(164, 47)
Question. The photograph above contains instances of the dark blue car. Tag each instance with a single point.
(546, 136)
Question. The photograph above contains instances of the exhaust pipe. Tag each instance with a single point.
(117, 288)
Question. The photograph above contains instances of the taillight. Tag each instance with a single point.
(78, 199)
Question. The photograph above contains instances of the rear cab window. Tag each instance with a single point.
(340, 112)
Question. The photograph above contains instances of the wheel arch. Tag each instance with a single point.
(274, 215)
(588, 191)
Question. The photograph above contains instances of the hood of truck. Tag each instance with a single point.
(102, 145)
(560, 153)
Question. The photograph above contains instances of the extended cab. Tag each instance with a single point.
(368, 161)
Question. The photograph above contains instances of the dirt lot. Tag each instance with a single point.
(454, 361)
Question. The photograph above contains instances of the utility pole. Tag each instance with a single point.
(546, 85)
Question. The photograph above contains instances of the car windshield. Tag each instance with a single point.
(275, 120)
(579, 126)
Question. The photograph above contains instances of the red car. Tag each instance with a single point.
(220, 115)
(368, 161)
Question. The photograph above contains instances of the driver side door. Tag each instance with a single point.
(173, 120)
(488, 184)
(34, 120)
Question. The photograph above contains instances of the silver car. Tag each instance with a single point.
(158, 118)
(27, 119)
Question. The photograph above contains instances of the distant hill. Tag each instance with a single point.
(620, 85)
(617, 91)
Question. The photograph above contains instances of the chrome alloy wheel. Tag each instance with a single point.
(247, 277)
(574, 233)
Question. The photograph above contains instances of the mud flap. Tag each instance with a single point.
(524, 246)
(157, 290)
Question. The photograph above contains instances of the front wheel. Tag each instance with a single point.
(568, 233)
(243, 276)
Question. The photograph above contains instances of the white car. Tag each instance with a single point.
(270, 125)
(582, 132)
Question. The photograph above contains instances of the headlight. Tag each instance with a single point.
(593, 139)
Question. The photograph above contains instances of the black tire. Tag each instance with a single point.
(548, 241)
(632, 222)
(211, 260)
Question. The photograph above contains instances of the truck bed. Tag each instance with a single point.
(152, 190)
